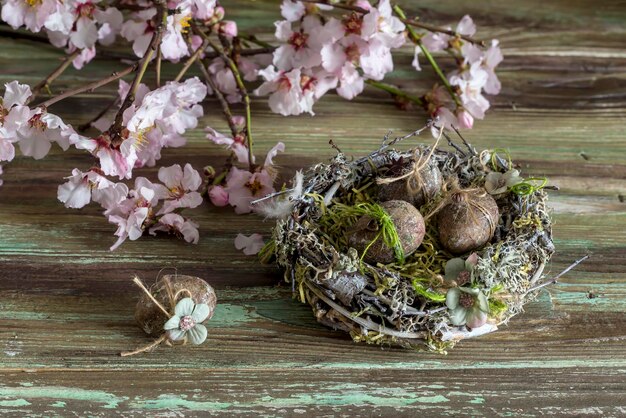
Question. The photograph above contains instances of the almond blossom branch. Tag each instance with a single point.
(253, 39)
(415, 38)
(341, 6)
(89, 87)
(404, 19)
(431, 28)
(439, 73)
(220, 97)
(191, 60)
(45, 83)
(143, 65)
(394, 91)
(158, 67)
(240, 85)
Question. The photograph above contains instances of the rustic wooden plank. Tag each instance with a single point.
(569, 391)
(66, 302)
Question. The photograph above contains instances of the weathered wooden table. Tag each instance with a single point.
(66, 302)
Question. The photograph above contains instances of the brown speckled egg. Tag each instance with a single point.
(409, 225)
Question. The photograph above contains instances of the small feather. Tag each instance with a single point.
(281, 206)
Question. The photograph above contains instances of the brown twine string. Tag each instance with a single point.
(415, 183)
(183, 291)
(172, 298)
(451, 188)
(138, 282)
(148, 347)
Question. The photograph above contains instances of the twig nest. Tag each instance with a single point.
(367, 236)
(417, 189)
(468, 221)
(167, 291)
(339, 245)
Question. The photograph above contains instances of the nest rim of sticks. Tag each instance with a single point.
(386, 303)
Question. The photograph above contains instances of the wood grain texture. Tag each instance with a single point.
(66, 302)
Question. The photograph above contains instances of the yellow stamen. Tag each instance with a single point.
(184, 23)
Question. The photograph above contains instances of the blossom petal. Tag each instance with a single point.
(471, 261)
(197, 334)
(172, 323)
(250, 245)
(15, 94)
(176, 334)
(201, 312)
(76, 192)
(184, 307)
(191, 179)
(171, 176)
(483, 303)
(416, 63)
(452, 298)
(475, 318)
(458, 316)
(466, 26)
(453, 267)
(279, 147)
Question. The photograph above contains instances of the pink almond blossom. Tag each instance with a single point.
(295, 10)
(173, 46)
(114, 160)
(180, 190)
(174, 223)
(80, 24)
(81, 187)
(31, 14)
(243, 186)
(139, 29)
(302, 46)
(131, 213)
(13, 115)
(250, 245)
(42, 129)
(236, 145)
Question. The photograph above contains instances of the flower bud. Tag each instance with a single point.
(228, 28)
(239, 122)
(466, 121)
(218, 196)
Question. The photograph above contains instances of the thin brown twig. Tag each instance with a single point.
(432, 28)
(341, 6)
(240, 85)
(220, 97)
(558, 276)
(406, 21)
(157, 68)
(89, 87)
(45, 83)
(191, 60)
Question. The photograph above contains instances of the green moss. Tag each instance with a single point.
(422, 291)
(340, 217)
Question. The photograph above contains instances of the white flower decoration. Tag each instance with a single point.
(186, 322)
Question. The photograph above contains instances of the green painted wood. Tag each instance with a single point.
(66, 302)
